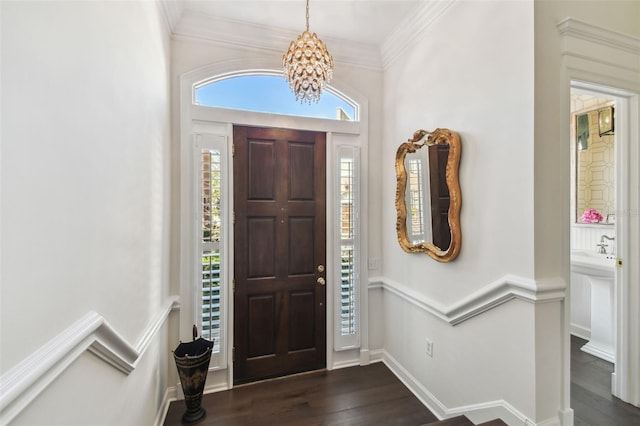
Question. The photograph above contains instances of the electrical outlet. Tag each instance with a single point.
(428, 348)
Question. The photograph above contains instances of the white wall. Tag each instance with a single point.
(85, 144)
(471, 72)
(470, 78)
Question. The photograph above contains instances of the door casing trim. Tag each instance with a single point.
(220, 121)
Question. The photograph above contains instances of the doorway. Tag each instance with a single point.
(593, 240)
(600, 228)
(592, 223)
(279, 252)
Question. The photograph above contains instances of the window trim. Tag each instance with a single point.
(220, 121)
(190, 250)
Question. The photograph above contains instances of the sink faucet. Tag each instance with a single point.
(602, 245)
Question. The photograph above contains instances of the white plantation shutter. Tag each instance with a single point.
(210, 220)
(210, 274)
(347, 290)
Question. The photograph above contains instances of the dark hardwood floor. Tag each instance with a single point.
(369, 395)
(372, 395)
(591, 399)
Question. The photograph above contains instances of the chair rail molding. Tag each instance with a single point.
(486, 298)
(23, 383)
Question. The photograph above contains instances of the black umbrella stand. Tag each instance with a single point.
(192, 360)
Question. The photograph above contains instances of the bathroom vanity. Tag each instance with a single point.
(593, 297)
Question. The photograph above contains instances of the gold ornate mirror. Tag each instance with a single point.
(428, 194)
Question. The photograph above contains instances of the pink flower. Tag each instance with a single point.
(591, 216)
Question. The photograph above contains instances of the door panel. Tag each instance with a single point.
(302, 314)
(279, 205)
(261, 262)
(301, 182)
(301, 246)
(262, 320)
(262, 163)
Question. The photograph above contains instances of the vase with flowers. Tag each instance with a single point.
(591, 216)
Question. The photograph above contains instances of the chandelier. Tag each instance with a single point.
(308, 66)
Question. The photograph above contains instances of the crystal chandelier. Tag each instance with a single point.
(308, 66)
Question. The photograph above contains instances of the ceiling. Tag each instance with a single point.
(363, 21)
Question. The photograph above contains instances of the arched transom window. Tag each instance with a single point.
(268, 91)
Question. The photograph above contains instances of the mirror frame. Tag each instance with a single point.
(425, 138)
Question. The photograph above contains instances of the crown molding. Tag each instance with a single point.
(92, 333)
(257, 37)
(171, 12)
(600, 54)
(571, 27)
(403, 37)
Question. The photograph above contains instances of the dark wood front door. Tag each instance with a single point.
(279, 256)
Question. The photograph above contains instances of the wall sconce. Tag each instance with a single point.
(605, 121)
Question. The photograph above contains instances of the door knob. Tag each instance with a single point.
(320, 281)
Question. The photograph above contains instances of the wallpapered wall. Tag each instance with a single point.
(595, 164)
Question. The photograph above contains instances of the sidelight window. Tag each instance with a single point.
(210, 227)
(208, 271)
(347, 294)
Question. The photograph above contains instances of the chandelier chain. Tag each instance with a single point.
(307, 15)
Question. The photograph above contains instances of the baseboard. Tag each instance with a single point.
(345, 364)
(170, 395)
(174, 393)
(566, 417)
(600, 353)
(365, 357)
(426, 397)
(480, 412)
(215, 388)
(554, 421)
(580, 331)
(377, 355)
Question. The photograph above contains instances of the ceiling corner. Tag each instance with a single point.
(171, 11)
(425, 15)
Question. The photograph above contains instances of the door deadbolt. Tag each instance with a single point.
(320, 268)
